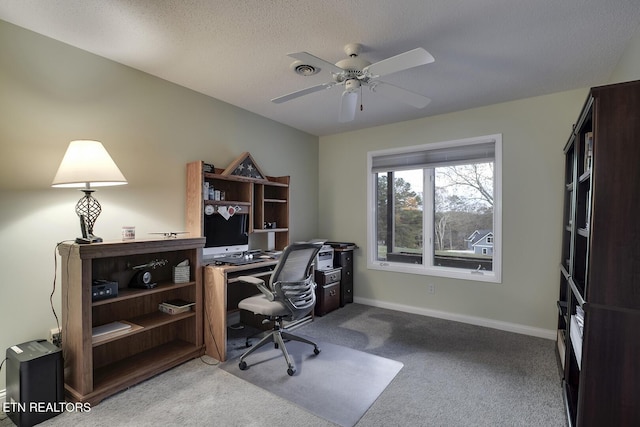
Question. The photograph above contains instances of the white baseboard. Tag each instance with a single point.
(478, 321)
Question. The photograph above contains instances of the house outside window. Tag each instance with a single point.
(435, 209)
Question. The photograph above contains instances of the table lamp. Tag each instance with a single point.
(86, 164)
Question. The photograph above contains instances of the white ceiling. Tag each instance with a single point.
(486, 51)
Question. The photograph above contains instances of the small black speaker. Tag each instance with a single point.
(35, 382)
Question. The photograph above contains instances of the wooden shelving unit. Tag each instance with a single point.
(265, 200)
(97, 367)
(599, 298)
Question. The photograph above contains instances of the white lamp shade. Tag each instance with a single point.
(87, 163)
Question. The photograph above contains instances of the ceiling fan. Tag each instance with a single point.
(354, 72)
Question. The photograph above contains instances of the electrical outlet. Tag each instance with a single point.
(55, 337)
(431, 288)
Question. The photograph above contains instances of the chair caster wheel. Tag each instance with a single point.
(316, 351)
(291, 371)
(242, 365)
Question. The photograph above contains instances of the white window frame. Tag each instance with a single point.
(426, 269)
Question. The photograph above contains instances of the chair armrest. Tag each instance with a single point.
(259, 284)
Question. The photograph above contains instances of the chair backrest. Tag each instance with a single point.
(292, 281)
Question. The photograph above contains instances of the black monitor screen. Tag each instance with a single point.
(226, 235)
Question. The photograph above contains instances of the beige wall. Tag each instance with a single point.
(51, 94)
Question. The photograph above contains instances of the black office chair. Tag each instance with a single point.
(290, 295)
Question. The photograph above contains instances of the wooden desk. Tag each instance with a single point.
(220, 297)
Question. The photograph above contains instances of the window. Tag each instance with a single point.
(435, 209)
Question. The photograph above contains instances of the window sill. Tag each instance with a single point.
(453, 273)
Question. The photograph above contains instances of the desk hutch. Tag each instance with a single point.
(265, 200)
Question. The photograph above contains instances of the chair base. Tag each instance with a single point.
(277, 336)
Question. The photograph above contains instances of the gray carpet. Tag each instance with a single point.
(339, 384)
(454, 375)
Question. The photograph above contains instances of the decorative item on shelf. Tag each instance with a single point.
(228, 211)
(128, 233)
(87, 163)
(245, 166)
(170, 234)
(142, 278)
(208, 168)
(181, 272)
(588, 150)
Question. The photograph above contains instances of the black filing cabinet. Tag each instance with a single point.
(327, 291)
(343, 258)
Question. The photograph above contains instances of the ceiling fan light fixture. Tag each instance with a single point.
(303, 69)
(352, 85)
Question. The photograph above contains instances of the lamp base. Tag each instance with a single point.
(89, 239)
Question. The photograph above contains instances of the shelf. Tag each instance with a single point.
(129, 293)
(126, 372)
(267, 230)
(585, 176)
(103, 339)
(226, 203)
(143, 324)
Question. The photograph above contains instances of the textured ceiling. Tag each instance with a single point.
(486, 51)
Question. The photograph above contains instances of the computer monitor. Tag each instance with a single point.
(225, 236)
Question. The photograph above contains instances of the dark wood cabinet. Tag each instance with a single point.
(327, 291)
(343, 258)
(599, 298)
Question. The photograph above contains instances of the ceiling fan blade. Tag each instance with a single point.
(403, 61)
(400, 94)
(309, 59)
(348, 106)
(299, 93)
